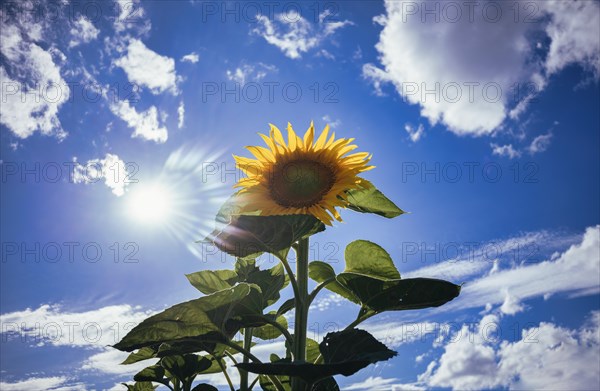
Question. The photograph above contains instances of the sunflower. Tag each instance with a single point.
(302, 176)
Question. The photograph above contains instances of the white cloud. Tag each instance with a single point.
(372, 383)
(247, 72)
(300, 35)
(414, 134)
(108, 361)
(546, 357)
(574, 271)
(192, 58)
(574, 32)
(505, 150)
(56, 383)
(511, 305)
(132, 16)
(180, 115)
(32, 87)
(83, 31)
(454, 69)
(540, 143)
(112, 169)
(51, 324)
(146, 124)
(332, 123)
(325, 303)
(147, 68)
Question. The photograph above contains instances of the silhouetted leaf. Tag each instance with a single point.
(154, 373)
(344, 352)
(246, 235)
(371, 200)
(205, 387)
(286, 306)
(186, 366)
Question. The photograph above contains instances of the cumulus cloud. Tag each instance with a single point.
(191, 58)
(147, 68)
(478, 359)
(33, 89)
(460, 72)
(112, 169)
(145, 124)
(83, 31)
(293, 34)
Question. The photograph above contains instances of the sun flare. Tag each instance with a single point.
(151, 204)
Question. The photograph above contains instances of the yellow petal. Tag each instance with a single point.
(276, 135)
(292, 138)
(322, 138)
(261, 153)
(309, 136)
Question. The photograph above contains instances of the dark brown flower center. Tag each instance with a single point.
(300, 183)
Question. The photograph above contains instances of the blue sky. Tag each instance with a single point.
(483, 123)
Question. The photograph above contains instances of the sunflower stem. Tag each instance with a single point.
(302, 304)
(247, 346)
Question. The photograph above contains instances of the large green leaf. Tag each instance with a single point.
(187, 366)
(154, 373)
(211, 281)
(413, 293)
(369, 259)
(207, 318)
(344, 353)
(246, 235)
(371, 280)
(142, 354)
(370, 200)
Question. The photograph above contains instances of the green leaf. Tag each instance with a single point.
(205, 387)
(286, 306)
(369, 259)
(268, 331)
(152, 373)
(140, 386)
(185, 367)
(142, 354)
(209, 317)
(345, 352)
(371, 200)
(246, 236)
(321, 272)
(413, 293)
(211, 281)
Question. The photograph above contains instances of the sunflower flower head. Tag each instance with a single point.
(301, 176)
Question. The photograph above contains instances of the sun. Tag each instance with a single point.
(150, 204)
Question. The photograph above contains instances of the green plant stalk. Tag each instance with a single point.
(302, 304)
(224, 370)
(247, 346)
